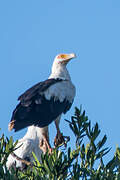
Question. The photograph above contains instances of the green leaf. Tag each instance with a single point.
(102, 142)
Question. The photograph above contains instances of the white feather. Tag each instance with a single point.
(61, 91)
(29, 143)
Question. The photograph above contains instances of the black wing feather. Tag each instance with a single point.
(35, 109)
(41, 86)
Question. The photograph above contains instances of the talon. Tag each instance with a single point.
(50, 150)
(60, 139)
(44, 145)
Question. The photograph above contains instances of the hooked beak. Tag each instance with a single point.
(69, 57)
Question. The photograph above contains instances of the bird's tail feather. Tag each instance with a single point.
(11, 125)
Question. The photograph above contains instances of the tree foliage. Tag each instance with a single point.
(85, 161)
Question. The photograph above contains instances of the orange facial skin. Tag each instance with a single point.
(62, 56)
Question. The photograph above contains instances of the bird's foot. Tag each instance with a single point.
(61, 140)
(44, 146)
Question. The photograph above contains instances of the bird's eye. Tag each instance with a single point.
(61, 56)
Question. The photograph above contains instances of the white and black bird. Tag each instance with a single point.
(46, 101)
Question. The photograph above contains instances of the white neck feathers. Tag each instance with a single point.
(60, 71)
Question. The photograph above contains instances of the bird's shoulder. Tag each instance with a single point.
(38, 88)
(61, 91)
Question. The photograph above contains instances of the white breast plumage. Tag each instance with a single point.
(61, 91)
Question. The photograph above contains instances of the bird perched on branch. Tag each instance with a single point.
(45, 102)
(24, 149)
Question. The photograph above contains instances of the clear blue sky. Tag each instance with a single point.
(33, 32)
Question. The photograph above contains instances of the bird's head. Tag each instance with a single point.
(63, 59)
(59, 65)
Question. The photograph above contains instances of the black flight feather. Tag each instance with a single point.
(35, 109)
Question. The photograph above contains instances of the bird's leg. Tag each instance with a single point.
(44, 144)
(60, 139)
